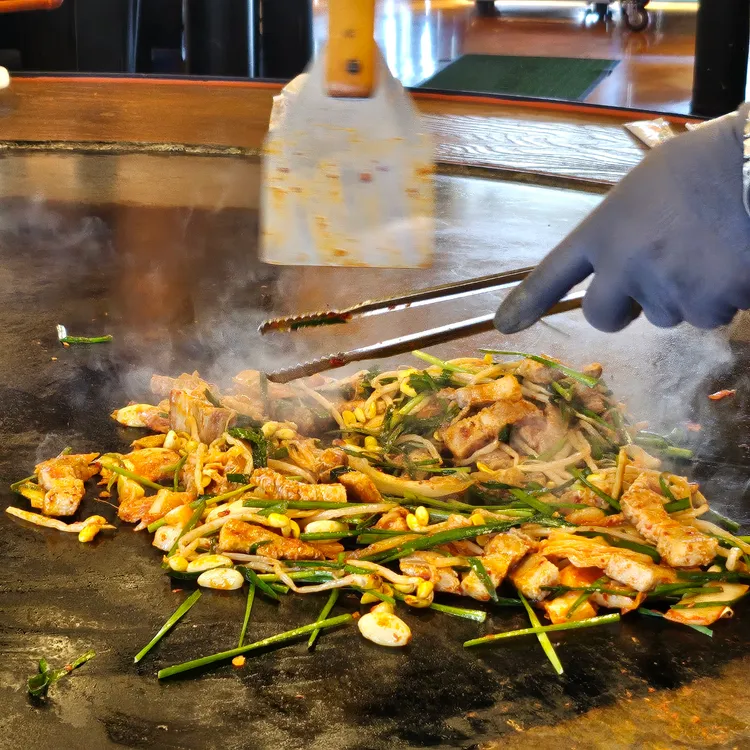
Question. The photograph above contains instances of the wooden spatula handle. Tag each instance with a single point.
(350, 67)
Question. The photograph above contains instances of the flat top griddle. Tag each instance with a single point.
(161, 252)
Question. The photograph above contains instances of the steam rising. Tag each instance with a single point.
(183, 290)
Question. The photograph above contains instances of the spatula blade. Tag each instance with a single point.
(348, 182)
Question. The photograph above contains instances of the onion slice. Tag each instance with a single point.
(438, 486)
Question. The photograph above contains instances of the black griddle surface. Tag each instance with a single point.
(94, 268)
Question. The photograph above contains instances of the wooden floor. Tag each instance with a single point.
(656, 65)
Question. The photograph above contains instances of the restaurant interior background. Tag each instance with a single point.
(619, 54)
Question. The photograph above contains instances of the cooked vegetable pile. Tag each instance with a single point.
(514, 482)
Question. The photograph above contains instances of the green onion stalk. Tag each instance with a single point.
(332, 599)
(145, 482)
(182, 610)
(653, 613)
(274, 640)
(544, 640)
(587, 380)
(248, 610)
(578, 474)
(542, 630)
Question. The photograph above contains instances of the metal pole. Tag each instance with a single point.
(721, 54)
(253, 21)
(287, 37)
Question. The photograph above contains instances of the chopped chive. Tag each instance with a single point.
(562, 391)
(593, 589)
(587, 380)
(15, 486)
(248, 610)
(135, 477)
(481, 572)
(380, 533)
(582, 597)
(239, 478)
(542, 630)
(374, 592)
(323, 616)
(152, 527)
(278, 508)
(720, 520)
(453, 505)
(322, 536)
(192, 521)
(258, 444)
(544, 640)
(680, 589)
(532, 502)
(445, 537)
(664, 484)
(208, 499)
(477, 615)
(183, 575)
(595, 417)
(177, 470)
(439, 362)
(39, 684)
(578, 474)
(651, 440)
(312, 576)
(86, 339)
(675, 452)
(272, 641)
(702, 605)
(348, 568)
(723, 576)
(653, 613)
(299, 504)
(216, 499)
(678, 505)
(252, 577)
(169, 624)
(411, 404)
(211, 398)
(615, 541)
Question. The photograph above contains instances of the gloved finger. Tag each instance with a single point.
(654, 295)
(709, 315)
(738, 293)
(661, 315)
(553, 278)
(607, 307)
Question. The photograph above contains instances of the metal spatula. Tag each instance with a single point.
(347, 169)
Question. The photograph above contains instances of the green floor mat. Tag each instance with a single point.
(568, 78)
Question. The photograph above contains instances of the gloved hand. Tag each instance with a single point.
(673, 237)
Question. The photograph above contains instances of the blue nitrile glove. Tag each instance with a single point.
(673, 238)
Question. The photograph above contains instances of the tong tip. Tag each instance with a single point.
(308, 320)
(307, 369)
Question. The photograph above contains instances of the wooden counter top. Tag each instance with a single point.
(564, 143)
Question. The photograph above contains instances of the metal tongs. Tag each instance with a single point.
(408, 343)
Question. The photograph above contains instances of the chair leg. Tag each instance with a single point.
(486, 8)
